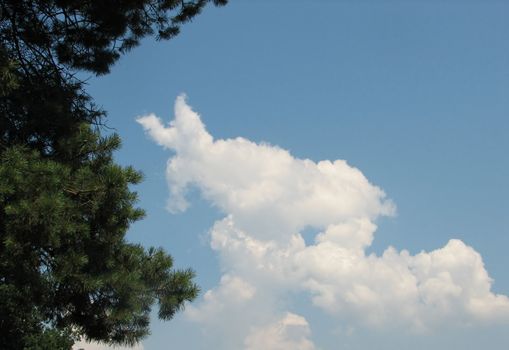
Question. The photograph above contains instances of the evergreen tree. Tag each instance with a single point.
(66, 270)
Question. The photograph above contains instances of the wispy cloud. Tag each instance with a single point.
(269, 197)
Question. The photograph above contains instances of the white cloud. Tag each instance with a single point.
(100, 346)
(269, 197)
(290, 332)
(269, 192)
(232, 293)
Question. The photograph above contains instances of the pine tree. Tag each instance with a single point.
(66, 270)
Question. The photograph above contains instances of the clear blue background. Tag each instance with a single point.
(413, 93)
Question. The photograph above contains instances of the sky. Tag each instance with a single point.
(334, 172)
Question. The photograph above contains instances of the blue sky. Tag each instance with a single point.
(412, 94)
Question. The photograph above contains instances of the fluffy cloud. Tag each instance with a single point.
(291, 332)
(270, 193)
(232, 293)
(269, 197)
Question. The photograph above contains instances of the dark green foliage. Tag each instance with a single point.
(44, 42)
(64, 260)
(89, 34)
(66, 270)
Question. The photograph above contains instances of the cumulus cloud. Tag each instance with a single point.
(269, 197)
(290, 332)
(268, 191)
(232, 293)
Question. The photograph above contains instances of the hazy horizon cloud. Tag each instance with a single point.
(85, 345)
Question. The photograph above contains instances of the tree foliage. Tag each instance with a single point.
(66, 270)
(88, 34)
